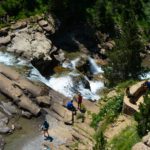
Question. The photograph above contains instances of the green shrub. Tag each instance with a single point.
(111, 110)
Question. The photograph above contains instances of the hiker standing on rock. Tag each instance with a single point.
(79, 100)
(71, 107)
(45, 128)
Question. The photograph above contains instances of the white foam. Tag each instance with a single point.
(9, 59)
(95, 69)
(70, 64)
(145, 76)
(64, 83)
(96, 85)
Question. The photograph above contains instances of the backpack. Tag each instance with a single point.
(46, 125)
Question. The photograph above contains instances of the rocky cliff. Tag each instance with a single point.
(29, 39)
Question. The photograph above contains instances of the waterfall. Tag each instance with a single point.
(95, 69)
(145, 76)
(9, 59)
(63, 83)
(70, 64)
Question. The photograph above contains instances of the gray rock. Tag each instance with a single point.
(26, 114)
(19, 25)
(4, 129)
(140, 146)
(10, 107)
(43, 23)
(39, 17)
(5, 40)
(146, 139)
(2, 143)
(3, 123)
(49, 29)
(3, 118)
(44, 100)
(108, 45)
(30, 46)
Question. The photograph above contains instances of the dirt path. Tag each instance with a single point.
(121, 123)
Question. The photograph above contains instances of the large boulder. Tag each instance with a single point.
(37, 48)
(4, 40)
(29, 39)
(32, 46)
(22, 91)
(43, 23)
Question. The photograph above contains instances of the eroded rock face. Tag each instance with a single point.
(28, 39)
(34, 45)
(22, 91)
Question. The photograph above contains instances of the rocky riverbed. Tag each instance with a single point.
(25, 103)
(26, 134)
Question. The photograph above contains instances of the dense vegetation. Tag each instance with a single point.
(21, 8)
(110, 111)
(143, 117)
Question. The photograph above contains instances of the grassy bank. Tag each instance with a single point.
(125, 140)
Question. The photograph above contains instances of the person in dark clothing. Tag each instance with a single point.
(147, 84)
(71, 107)
(45, 128)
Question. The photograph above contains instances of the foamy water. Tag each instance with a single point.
(64, 83)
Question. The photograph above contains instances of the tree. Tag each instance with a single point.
(125, 60)
(143, 116)
(70, 11)
(101, 18)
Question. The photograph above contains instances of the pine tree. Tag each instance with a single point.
(125, 60)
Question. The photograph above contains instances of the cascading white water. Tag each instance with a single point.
(70, 64)
(63, 83)
(95, 69)
(146, 76)
(9, 59)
